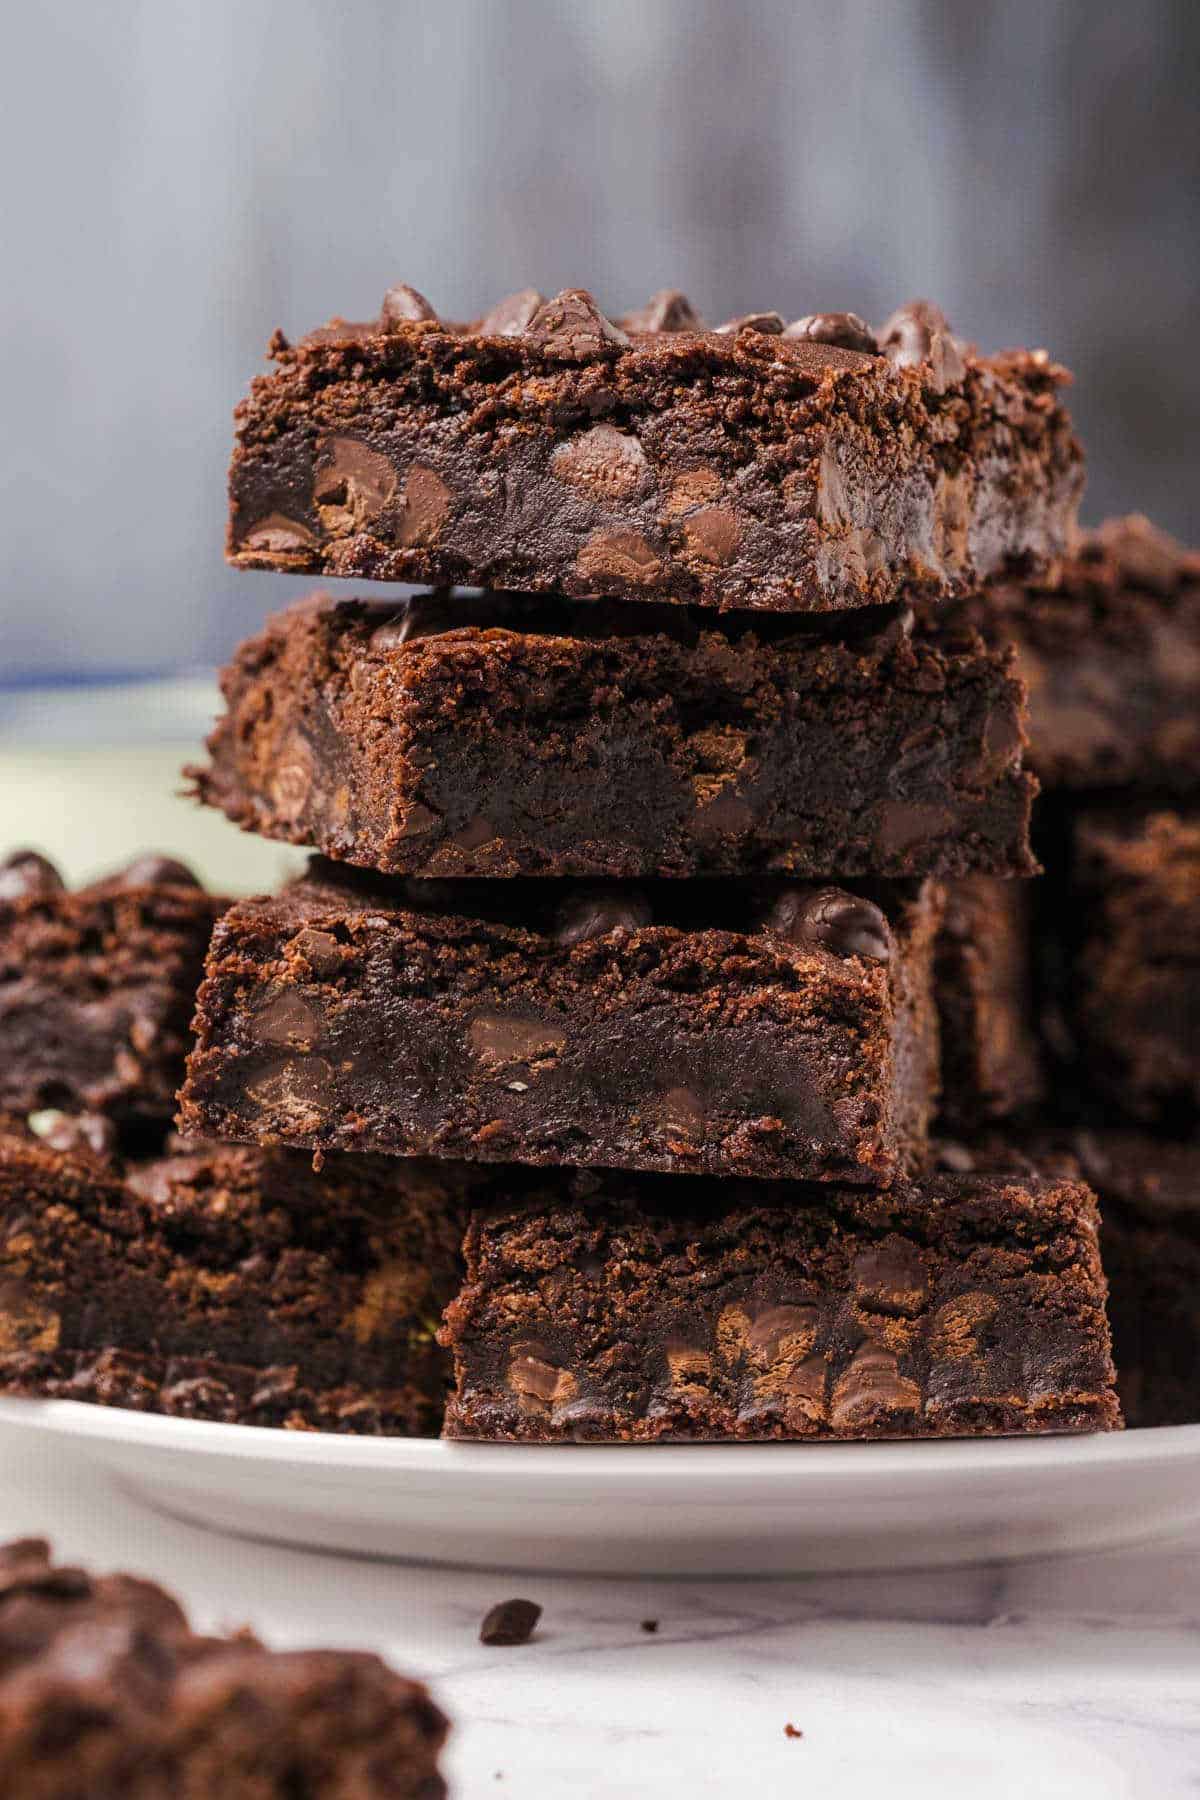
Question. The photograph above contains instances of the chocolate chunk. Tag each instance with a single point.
(74, 1131)
(845, 330)
(156, 871)
(596, 912)
(955, 1157)
(844, 923)
(771, 322)
(403, 305)
(919, 333)
(511, 1622)
(26, 875)
(512, 316)
(650, 1625)
(668, 310)
(571, 328)
(418, 616)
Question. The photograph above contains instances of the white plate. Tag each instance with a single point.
(666, 1509)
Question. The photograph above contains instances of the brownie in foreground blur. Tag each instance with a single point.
(788, 468)
(97, 987)
(228, 1283)
(643, 1308)
(107, 1694)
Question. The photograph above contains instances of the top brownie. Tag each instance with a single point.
(1111, 659)
(788, 468)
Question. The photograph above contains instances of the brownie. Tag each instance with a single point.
(545, 447)
(106, 1693)
(504, 735)
(1148, 1187)
(225, 1282)
(1127, 914)
(97, 986)
(991, 1061)
(761, 1028)
(1149, 1191)
(650, 1307)
(1112, 661)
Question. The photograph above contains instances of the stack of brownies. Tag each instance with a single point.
(653, 842)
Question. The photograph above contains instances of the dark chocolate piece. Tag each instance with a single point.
(504, 735)
(452, 1019)
(644, 1308)
(510, 1622)
(550, 450)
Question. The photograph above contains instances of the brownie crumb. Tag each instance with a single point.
(650, 1625)
(792, 1731)
(510, 1622)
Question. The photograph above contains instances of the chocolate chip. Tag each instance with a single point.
(595, 912)
(74, 1131)
(845, 330)
(771, 322)
(26, 875)
(895, 629)
(156, 871)
(419, 616)
(511, 1622)
(919, 333)
(650, 1625)
(403, 305)
(512, 316)
(843, 923)
(955, 1157)
(571, 328)
(668, 310)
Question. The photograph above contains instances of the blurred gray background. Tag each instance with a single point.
(183, 175)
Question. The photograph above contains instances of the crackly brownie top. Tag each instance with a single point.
(570, 328)
(861, 919)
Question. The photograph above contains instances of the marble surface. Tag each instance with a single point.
(1078, 1677)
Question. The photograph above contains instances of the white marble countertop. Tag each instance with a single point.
(1079, 1677)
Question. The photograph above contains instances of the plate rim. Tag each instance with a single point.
(119, 1427)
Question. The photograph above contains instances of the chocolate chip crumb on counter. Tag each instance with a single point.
(507, 734)
(755, 1028)
(646, 1308)
(510, 1622)
(106, 1690)
(758, 465)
